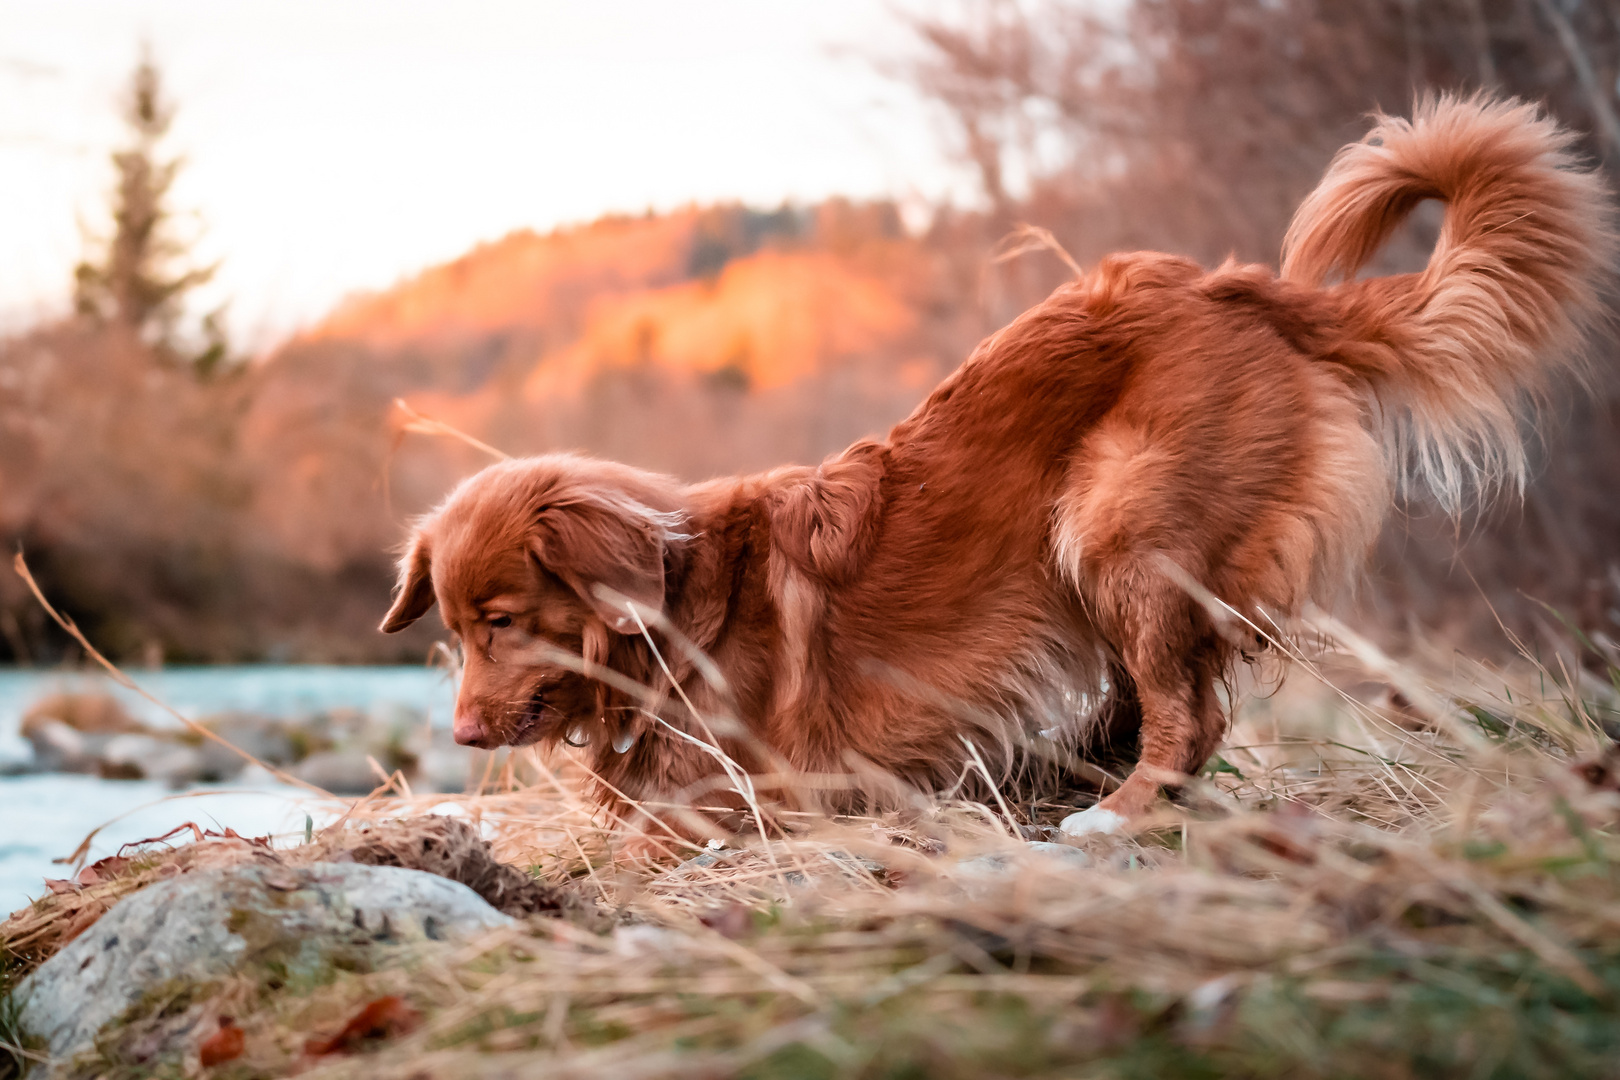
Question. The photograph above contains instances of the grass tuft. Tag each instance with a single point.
(1382, 873)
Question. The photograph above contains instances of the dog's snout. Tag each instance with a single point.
(469, 729)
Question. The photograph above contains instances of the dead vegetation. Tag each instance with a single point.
(249, 516)
(1355, 888)
(1380, 874)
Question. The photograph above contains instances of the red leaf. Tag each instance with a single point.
(378, 1020)
(111, 866)
(102, 870)
(223, 1045)
(733, 921)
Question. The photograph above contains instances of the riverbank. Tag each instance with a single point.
(44, 814)
(1417, 881)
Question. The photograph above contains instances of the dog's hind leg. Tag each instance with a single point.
(1173, 658)
(1138, 506)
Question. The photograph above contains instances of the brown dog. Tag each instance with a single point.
(1010, 571)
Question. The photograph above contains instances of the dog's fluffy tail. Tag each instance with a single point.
(1517, 279)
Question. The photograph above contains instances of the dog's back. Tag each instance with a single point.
(1095, 501)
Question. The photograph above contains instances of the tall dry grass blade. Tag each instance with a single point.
(995, 789)
(741, 781)
(1375, 660)
(423, 424)
(20, 565)
(1555, 954)
(1026, 238)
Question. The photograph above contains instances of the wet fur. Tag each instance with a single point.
(1000, 575)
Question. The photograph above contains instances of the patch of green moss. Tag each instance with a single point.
(131, 1047)
(15, 1043)
(1460, 1015)
(1381, 1012)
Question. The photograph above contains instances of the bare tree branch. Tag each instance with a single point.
(1597, 96)
(1480, 31)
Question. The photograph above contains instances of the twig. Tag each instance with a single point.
(1026, 238)
(422, 424)
(1597, 97)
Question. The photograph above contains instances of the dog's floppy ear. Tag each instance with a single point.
(606, 547)
(414, 593)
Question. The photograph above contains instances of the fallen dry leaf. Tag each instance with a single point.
(226, 1044)
(378, 1020)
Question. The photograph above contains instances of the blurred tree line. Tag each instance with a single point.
(1198, 125)
(121, 477)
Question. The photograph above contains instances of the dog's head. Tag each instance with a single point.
(535, 565)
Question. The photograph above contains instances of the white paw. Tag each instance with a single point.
(1091, 822)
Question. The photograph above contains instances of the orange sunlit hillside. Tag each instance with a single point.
(699, 342)
(522, 280)
(762, 299)
(767, 320)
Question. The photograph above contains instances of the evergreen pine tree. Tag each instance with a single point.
(141, 275)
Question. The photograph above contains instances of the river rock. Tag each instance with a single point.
(60, 747)
(341, 772)
(150, 757)
(1005, 864)
(274, 742)
(93, 714)
(197, 929)
(444, 765)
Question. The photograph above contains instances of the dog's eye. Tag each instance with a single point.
(500, 622)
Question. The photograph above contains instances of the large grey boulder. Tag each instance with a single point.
(198, 928)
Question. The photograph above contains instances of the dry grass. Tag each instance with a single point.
(1381, 874)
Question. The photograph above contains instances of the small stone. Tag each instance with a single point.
(1060, 852)
(342, 772)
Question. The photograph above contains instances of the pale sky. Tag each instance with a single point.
(336, 145)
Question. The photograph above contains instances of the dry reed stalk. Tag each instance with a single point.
(20, 565)
(422, 424)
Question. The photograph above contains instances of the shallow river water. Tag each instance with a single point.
(45, 816)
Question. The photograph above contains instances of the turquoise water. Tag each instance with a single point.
(43, 817)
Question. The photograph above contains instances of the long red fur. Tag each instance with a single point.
(1005, 575)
